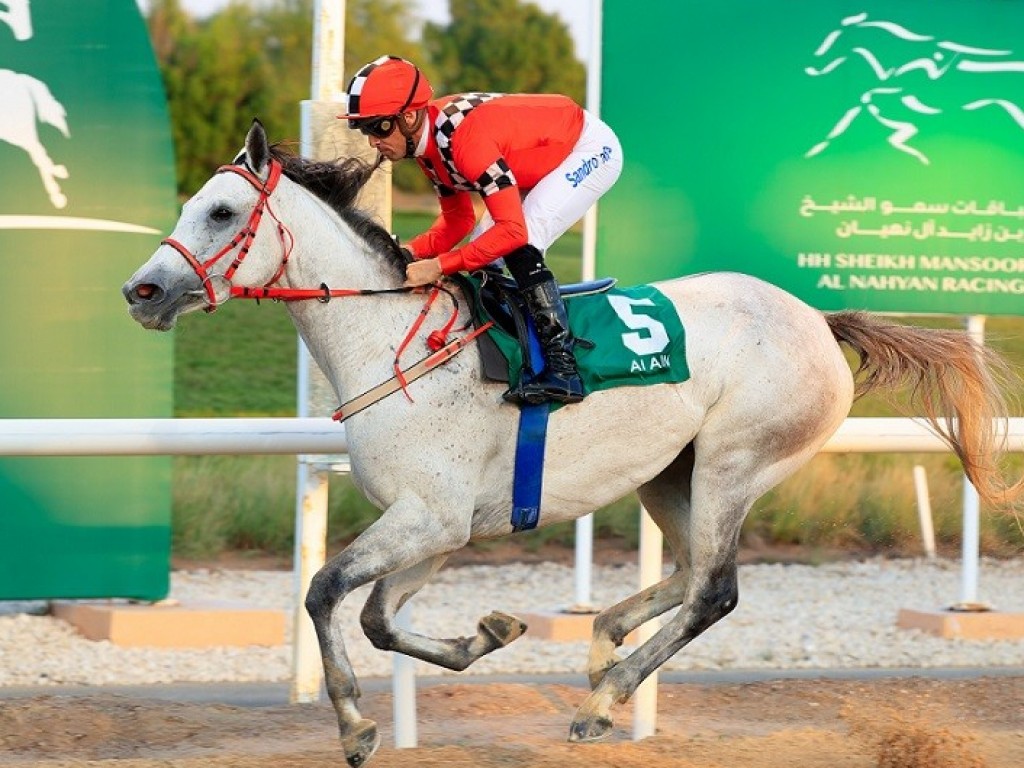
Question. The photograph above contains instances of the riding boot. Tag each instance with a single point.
(560, 380)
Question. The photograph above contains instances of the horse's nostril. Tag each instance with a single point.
(143, 292)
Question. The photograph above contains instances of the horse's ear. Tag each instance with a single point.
(257, 150)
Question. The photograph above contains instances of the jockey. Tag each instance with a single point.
(538, 161)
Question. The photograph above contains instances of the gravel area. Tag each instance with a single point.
(839, 615)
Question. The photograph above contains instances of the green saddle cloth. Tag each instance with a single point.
(636, 334)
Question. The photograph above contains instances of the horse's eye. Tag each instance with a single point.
(221, 214)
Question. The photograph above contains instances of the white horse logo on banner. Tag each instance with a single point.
(24, 102)
(15, 14)
(891, 104)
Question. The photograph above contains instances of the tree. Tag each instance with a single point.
(506, 46)
(377, 27)
(254, 60)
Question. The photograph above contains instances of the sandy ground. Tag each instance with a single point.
(888, 723)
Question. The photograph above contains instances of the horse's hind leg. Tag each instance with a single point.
(725, 486)
(667, 500)
(391, 592)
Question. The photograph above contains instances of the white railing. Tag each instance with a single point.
(321, 435)
(167, 437)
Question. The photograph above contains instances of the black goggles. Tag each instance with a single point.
(378, 127)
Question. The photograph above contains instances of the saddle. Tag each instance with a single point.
(496, 297)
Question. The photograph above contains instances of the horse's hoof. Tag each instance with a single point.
(501, 627)
(590, 729)
(58, 200)
(361, 743)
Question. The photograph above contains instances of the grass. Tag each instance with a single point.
(242, 362)
(247, 504)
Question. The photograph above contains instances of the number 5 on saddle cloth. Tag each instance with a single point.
(626, 337)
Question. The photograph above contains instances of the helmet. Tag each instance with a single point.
(388, 86)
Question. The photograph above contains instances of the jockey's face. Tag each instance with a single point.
(392, 146)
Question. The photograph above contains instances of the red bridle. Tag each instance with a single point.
(242, 241)
(437, 341)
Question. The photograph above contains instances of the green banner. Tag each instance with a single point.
(862, 154)
(88, 186)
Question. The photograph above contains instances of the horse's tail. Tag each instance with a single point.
(957, 383)
(48, 109)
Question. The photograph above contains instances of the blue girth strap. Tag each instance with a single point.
(529, 469)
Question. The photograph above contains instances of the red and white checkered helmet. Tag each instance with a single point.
(387, 86)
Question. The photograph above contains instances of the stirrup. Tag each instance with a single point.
(568, 391)
(515, 395)
(537, 392)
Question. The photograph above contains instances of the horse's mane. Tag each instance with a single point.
(337, 184)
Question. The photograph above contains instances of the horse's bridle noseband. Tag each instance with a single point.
(243, 239)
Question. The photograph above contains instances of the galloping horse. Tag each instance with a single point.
(769, 385)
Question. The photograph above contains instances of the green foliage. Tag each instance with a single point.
(222, 72)
(374, 28)
(253, 61)
(505, 46)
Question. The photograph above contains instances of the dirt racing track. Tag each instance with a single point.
(796, 723)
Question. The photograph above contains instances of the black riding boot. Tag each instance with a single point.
(560, 380)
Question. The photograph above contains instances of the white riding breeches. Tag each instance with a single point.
(562, 197)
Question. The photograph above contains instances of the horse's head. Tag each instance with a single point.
(16, 14)
(217, 242)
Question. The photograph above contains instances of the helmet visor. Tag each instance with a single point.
(378, 127)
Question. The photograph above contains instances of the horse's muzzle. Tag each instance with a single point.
(153, 305)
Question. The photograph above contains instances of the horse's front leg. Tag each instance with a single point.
(390, 593)
(406, 534)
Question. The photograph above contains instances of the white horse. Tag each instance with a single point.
(24, 102)
(17, 15)
(769, 385)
